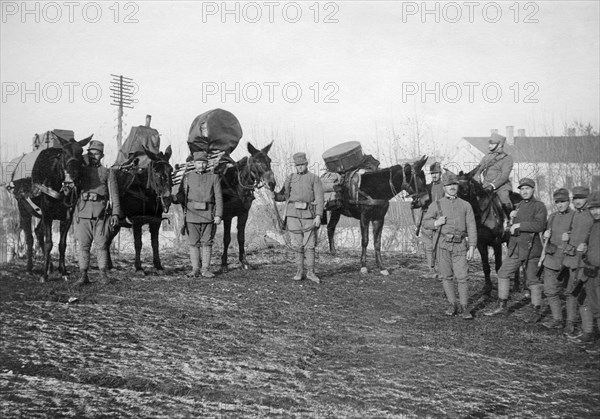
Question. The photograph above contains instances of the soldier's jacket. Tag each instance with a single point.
(592, 257)
(531, 214)
(202, 197)
(301, 189)
(460, 221)
(495, 168)
(558, 223)
(582, 224)
(98, 186)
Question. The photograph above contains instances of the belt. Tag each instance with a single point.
(92, 196)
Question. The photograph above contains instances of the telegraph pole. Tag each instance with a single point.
(122, 91)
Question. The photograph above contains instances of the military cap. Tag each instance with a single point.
(526, 182)
(435, 168)
(497, 139)
(96, 145)
(200, 156)
(449, 178)
(581, 192)
(594, 201)
(300, 158)
(561, 195)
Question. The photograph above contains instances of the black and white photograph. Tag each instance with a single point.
(300, 209)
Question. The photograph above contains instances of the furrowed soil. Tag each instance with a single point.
(254, 343)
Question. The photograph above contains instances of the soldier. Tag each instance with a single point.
(453, 220)
(303, 193)
(524, 248)
(494, 170)
(590, 308)
(559, 223)
(436, 191)
(582, 224)
(202, 199)
(98, 189)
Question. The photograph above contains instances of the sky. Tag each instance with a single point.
(311, 74)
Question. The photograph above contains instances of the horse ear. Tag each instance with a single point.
(150, 154)
(85, 141)
(168, 153)
(418, 165)
(471, 174)
(251, 149)
(267, 148)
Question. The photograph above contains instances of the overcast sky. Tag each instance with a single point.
(339, 71)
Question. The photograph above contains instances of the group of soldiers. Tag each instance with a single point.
(564, 247)
(567, 244)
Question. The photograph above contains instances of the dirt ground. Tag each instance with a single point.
(257, 344)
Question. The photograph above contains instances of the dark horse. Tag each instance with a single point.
(490, 219)
(144, 193)
(53, 189)
(238, 184)
(370, 202)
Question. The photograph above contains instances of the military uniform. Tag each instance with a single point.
(582, 224)
(590, 308)
(524, 248)
(98, 187)
(452, 246)
(436, 191)
(303, 193)
(202, 197)
(558, 224)
(494, 171)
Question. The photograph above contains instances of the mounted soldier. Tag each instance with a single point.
(436, 191)
(494, 170)
(98, 209)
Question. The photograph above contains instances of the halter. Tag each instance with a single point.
(152, 185)
(69, 189)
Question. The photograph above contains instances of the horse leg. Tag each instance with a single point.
(154, 228)
(112, 232)
(62, 245)
(137, 243)
(226, 242)
(39, 235)
(334, 218)
(364, 242)
(241, 236)
(25, 221)
(47, 228)
(485, 262)
(377, 231)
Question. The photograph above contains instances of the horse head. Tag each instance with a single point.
(259, 166)
(71, 161)
(417, 184)
(160, 174)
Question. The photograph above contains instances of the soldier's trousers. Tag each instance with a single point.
(509, 267)
(504, 195)
(551, 289)
(427, 238)
(302, 233)
(590, 308)
(572, 303)
(86, 231)
(201, 234)
(452, 263)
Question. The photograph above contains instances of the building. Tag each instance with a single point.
(553, 162)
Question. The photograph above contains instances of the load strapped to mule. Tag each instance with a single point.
(217, 132)
(345, 161)
(140, 139)
(17, 177)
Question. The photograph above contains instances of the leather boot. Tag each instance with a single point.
(502, 309)
(466, 313)
(195, 260)
(452, 309)
(83, 279)
(299, 265)
(103, 265)
(310, 261)
(535, 316)
(206, 256)
(536, 300)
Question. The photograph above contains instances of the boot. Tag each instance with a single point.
(432, 274)
(310, 261)
(450, 296)
(553, 324)
(570, 330)
(466, 313)
(452, 309)
(103, 265)
(195, 260)
(502, 309)
(206, 256)
(299, 265)
(535, 316)
(104, 278)
(83, 279)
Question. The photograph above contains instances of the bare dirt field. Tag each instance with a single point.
(257, 344)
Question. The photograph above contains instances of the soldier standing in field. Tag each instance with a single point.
(93, 214)
(436, 191)
(555, 237)
(304, 197)
(589, 274)
(524, 248)
(202, 200)
(582, 224)
(453, 223)
(494, 171)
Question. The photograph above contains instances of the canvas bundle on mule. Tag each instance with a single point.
(214, 131)
(139, 138)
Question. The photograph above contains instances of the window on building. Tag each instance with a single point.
(595, 183)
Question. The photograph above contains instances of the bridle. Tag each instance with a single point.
(68, 187)
(152, 184)
(256, 178)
